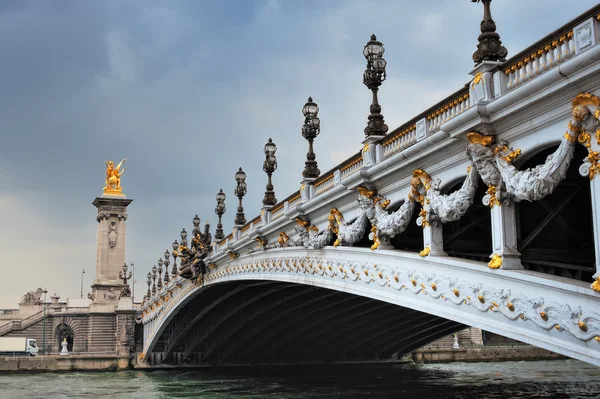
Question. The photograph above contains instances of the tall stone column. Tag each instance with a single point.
(110, 255)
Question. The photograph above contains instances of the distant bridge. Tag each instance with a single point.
(482, 211)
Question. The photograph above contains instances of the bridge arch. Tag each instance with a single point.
(293, 304)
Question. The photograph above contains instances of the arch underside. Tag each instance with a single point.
(270, 322)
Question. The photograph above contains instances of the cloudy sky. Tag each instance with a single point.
(191, 90)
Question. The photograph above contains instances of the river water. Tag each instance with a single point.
(543, 379)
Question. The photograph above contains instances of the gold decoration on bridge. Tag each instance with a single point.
(376, 241)
(233, 255)
(365, 192)
(113, 178)
(496, 262)
(425, 252)
(586, 99)
(283, 239)
(593, 156)
(491, 191)
(478, 138)
(261, 241)
(301, 222)
(478, 79)
(596, 284)
(511, 155)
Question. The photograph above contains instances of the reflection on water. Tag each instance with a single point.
(544, 379)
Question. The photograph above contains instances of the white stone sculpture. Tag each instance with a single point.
(451, 207)
(540, 181)
(64, 351)
(349, 233)
(481, 152)
(384, 225)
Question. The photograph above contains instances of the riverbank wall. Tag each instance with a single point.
(54, 363)
(484, 354)
(107, 362)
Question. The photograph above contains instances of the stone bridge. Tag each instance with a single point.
(481, 211)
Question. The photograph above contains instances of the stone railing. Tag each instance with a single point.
(294, 199)
(351, 167)
(323, 185)
(448, 111)
(400, 141)
(539, 61)
(20, 324)
(277, 211)
(551, 51)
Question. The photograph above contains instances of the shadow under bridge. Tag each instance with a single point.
(270, 322)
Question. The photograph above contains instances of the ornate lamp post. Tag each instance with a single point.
(123, 275)
(220, 210)
(183, 236)
(269, 166)
(149, 282)
(167, 262)
(154, 280)
(239, 191)
(372, 78)
(175, 245)
(490, 47)
(196, 223)
(310, 130)
(159, 285)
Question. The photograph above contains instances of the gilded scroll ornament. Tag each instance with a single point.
(586, 112)
(113, 178)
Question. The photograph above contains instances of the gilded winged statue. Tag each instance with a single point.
(113, 177)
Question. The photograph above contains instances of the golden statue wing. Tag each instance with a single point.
(118, 167)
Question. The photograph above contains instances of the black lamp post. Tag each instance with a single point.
(159, 285)
(220, 210)
(239, 191)
(175, 246)
(372, 78)
(167, 262)
(123, 275)
(149, 282)
(269, 166)
(153, 279)
(490, 47)
(196, 224)
(310, 130)
(183, 235)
